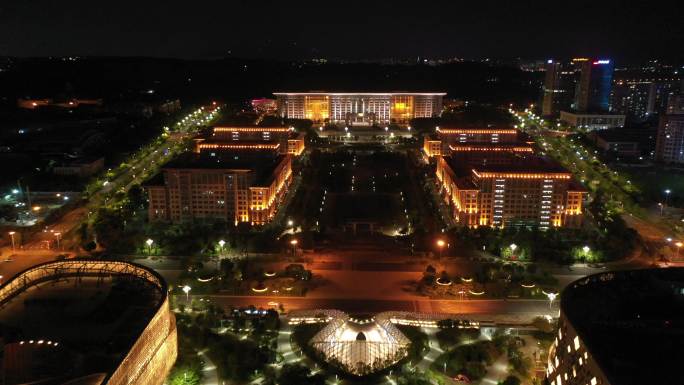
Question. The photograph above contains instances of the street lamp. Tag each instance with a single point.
(11, 234)
(551, 297)
(667, 196)
(294, 246)
(149, 243)
(440, 244)
(679, 246)
(221, 243)
(513, 247)
(586, 249)
(59, 237)
(186, 289)
(290, 222)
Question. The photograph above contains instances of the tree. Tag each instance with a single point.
(136, 197)
(292, 374)
(90, 246)
(184, 376)
(83, 231)
(510, 380)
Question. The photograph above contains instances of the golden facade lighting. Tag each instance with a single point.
(432, 147)
(222, 146)
(316, 107)
(475, 131)
(515, 175)
(490, 149)
(491, 198)
(251, 129)
(401, 108)
(234, 194)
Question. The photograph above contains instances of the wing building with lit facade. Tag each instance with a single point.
(236, 174)
(492, 178)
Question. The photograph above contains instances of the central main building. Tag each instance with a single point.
(360, 108)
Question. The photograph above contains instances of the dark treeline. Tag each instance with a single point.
(233, 79)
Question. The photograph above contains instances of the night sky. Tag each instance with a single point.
(349, 29)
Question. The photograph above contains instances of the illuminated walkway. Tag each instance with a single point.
(210, 373)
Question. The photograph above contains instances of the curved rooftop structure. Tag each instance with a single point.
(87, 322)
(620, 328)
(360, 346)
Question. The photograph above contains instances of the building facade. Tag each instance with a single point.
(670, 139)
(635, 99)
(592, 91)
(552, 90)
(288, 140)
(145, 358)
(359, 109)
(509, 189)
(81, 168)
(619, 328)
(592, 121)
(236, 190)
(445, 140)
(643, 91)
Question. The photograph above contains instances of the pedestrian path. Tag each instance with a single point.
(210, 373)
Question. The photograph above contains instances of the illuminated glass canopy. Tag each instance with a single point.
(361, 346)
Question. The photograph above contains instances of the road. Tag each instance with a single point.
(139, 168)
(514, 311)
(13, 263)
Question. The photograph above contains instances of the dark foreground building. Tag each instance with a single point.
(86, 322)
(620, 328)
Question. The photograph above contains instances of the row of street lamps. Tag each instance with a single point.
(58, 237)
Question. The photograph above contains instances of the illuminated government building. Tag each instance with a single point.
(87, 322)
(494, 178)
(226, 138)
(359, 109)
(620, 328)
(236, 174)
(446, 140)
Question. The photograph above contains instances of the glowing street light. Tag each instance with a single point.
(513, 246)
(186, 289)
(149, 243)
(11, 234)
(290, 222)
(551, 296)
(586, 249)
(667, 196)
(294, 246)
(440, 244)
(679, 246)
(59, 237)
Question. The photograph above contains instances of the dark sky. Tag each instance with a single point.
(348, 29)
